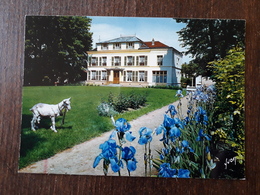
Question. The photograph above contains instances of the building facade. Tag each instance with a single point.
(129, 61)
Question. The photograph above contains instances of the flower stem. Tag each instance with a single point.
(149, 159)
(120, 152)
(145, 160)
(113, 120)
(203, 160)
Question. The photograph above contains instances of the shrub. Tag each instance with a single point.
(136, 100)
(229, 107)
(105, 109)
(185, 82)
(123, 102)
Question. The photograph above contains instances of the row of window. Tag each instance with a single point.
(97, 75)
(126, 61)
(130, 76)
(117, 46)
(135, 76)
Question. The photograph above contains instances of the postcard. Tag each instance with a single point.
(134, 96)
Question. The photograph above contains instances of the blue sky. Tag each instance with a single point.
(146, 29)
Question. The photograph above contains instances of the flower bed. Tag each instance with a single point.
(189, 142)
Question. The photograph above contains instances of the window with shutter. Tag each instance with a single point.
(104, 75)
(104, 61)
(117, 46)
(117, 61)
(141, 60)
(160, 60)
(130, 60)
(93, 75)
(93, 61)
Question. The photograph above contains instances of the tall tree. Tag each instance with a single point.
(54, 48)
(208, 40)
(190, 70)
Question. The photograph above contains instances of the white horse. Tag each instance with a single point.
(49, 110)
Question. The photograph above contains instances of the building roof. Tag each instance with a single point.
(123, 39)
(145, 45)
(153, 44)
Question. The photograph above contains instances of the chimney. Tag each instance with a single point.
(153, 42)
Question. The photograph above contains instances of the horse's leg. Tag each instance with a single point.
(33, 122)
(53, 124)
(38, 119)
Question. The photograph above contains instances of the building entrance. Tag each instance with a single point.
(116, 77)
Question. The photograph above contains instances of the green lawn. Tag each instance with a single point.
(82, 121)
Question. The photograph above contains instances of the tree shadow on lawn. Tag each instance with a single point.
(31, 139)
(29, 142)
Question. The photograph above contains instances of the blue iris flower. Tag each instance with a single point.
(108, 154)
(201, 116)
(169, 128)
(172, 110)
(202, 136)
(122, 125)
(185, 145)
(128, 156)
(183, 173)
(179, 93)
(174, 133)
(200, 95)
(164, 153)
(145, 135)
(186, 120)
(178, 123)
(160, 129)
(171, 134)
(165, 170)
(122, 128)
(168, 122)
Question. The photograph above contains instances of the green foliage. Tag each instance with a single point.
(185, 82)
(207, 40)
(229, 75)
(105, 109)
(123, 102)
(190, 70)
(54, 48)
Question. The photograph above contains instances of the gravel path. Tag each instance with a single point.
(79, 159)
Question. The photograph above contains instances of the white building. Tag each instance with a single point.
(129, 61)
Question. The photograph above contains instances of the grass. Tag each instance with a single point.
(82, 121)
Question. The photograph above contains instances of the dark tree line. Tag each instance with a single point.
(208, 40)
(54, 49)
